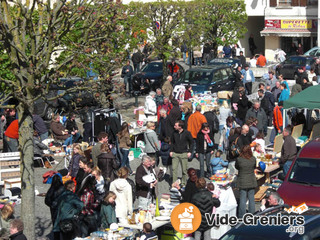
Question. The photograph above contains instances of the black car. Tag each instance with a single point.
(41, 107)
(308, 230)
(76, 98)
(150, 77)
(209, 78)
(231, 62)
(289, 68)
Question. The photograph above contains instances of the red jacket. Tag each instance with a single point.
(187, 95)
(13, 130)
(277, 118)
(173, 68)
(166, 107)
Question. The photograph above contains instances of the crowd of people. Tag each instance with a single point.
(100, 191)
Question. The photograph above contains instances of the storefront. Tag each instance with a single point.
(287, 34)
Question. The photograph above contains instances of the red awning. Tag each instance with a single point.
(288, 32)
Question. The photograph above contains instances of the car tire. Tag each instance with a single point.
(48, 114)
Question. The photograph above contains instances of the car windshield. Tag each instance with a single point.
(197, 77)
(310, 61)
(305, 171)
(152, 67)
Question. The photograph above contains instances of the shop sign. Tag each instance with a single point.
(296, 24)
(290, 24)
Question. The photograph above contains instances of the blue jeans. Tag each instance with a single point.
(43, 136)
(244, 195)
(286, 167)
(71, 139)
(125, 159)
(206, 156)
(198, 60)
(184, 57)
(10, 144)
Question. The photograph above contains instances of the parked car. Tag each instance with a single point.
(150, 77)
(308, 231)
(315, 52)
(289, 68)
(74, 99)
(41, 107)
(209, 78)
(302, 182)
(231, 62)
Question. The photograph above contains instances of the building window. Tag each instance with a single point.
(284, 2)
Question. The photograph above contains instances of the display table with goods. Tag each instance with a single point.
(228, 202)
(266, 164)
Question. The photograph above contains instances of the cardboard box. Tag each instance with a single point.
(140, 115)
(225, 94)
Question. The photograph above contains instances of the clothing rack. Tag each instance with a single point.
(106, 113)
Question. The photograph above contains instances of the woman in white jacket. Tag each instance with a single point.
(123, 190)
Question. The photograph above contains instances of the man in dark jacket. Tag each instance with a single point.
(213, 121)
(204, 201)
(206, 52)
(239, 103)
(257, 112)
(144, 189)
(301, 75)
(181, 147)
(288, 151)
(72, 127)
(86, 118)
(69, 205)
(267, 103)
(245, 138)
(137, 58)
(238, 75)
(242, 59)
(40, 127)
(126, 74)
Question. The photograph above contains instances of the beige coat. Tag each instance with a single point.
(167, 89)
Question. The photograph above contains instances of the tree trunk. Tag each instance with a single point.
(27, 170)
(164, 68)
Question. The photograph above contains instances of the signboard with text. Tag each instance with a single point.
(290, 23)
(296, 24)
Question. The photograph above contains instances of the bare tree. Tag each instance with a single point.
(79, 34)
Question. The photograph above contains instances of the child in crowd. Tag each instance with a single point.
(108, 212)
(77, 154)
(260, 139)
(96, 172)
(218, 163)
(215, 193)
(165, 152)
(175, 194)
(257, 152)
(147, 232)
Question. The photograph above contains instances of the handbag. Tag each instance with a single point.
(66, 225)
(234, 149)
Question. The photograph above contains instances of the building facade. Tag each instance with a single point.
(288, 23)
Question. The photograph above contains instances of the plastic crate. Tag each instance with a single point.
(136, 152)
